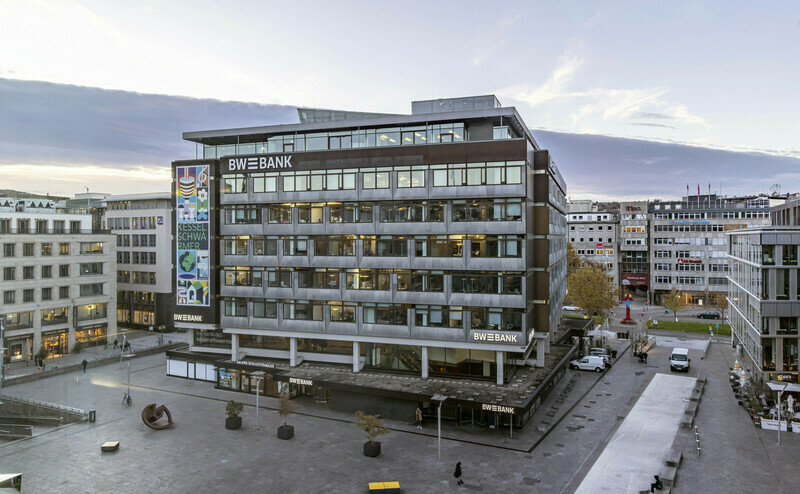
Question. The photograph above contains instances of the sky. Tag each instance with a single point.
(702, 75)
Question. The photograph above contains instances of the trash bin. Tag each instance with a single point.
(92, 415)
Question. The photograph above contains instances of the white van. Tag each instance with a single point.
(679, 360)
(589, 362)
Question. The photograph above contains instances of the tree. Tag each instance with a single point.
(285, 407)
(673, 301)
(720, 303)
(574, 262)
(372, 425)
(592, 289)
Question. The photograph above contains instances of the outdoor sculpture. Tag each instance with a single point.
(152, 413)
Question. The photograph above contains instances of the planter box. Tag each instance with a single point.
(372, 449)
(796, 426)
(772, 424)
(285, 432)
(233, 423)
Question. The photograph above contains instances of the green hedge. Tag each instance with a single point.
(692, 327)
(597, 319)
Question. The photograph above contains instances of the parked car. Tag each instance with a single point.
(709, 315)
(679, 360)
(589, 362)
(571, 308)
(597, 351)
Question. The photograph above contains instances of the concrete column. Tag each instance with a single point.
(356, 356)
(424, 362)
(499, 360)
(293, 352)
(234, 347)
(541, 349)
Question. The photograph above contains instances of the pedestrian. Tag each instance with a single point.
(457, 473)
(116, 343)
(84, 364)
(666, 312)
(657, 484)
(105, 345)
(43, 364)
(418, 416)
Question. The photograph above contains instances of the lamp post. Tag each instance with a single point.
(259, 375)
(780, 387)
(440, 399)
(127, 396)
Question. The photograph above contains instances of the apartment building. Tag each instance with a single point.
(594, 236)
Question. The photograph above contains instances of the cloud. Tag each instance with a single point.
(613, 105)
(653, 125)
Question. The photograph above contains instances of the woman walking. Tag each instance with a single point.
(457, 473)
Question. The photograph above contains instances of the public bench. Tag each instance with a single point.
(384, 487)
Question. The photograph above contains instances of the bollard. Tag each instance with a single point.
(92, 415)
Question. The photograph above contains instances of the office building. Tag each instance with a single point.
(59, 280)
(764, 295)
(142, 224)
(689, 244)
(430, 244)
(594, 236)
(634, 267)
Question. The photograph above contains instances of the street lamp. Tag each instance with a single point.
(259, 375)
(780, 387)
(440, 399)
(127, 396)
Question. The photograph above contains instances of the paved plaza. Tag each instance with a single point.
(553, 454)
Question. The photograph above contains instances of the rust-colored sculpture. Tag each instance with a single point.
(152, 413)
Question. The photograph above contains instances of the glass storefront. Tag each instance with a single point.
(91, 335)
(238, 376)
(211, 338)
(55, 343)
(18, 348)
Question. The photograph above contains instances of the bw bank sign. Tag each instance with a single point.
(256, 163)
(495, 337)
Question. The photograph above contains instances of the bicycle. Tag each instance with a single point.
(126, 399)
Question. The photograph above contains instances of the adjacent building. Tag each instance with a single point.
(142, 224)
(764, 295)
(59, 280)
(689, 244)
(634, 258)
(430, 244)
(594, 236)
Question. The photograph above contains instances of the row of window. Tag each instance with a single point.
(445, 175)
(136, 257)
(28, 272)
(690, 280)
(661, 266)
(29, 294)
(352, 139)
(136, 240)
(480, 246)
(399, 212)
(46, 249)
(376, 279)
(591, 228)
(24, 226)
(485, 318)
(700, 254)
(711, 215)
(697, 228)
(135, 223)
(590, 239)
(140, 277)
(595, 252)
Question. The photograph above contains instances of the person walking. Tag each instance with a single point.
(116, 343)
(457, 473)
(418, 416)
(43, 364)
(658, 484)
(84, 364)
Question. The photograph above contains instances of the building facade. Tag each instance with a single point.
(634, 258)
(431, 244)
(142, 224)
(594, 236)
(689, 244)
(59, 281)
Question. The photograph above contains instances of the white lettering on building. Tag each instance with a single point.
(259, 163)
(187, 318)
(294, 380)
(497, 408)
(495, 337)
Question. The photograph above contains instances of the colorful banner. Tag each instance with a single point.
(193, 232)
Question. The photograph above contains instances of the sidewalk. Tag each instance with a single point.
(137, 338)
